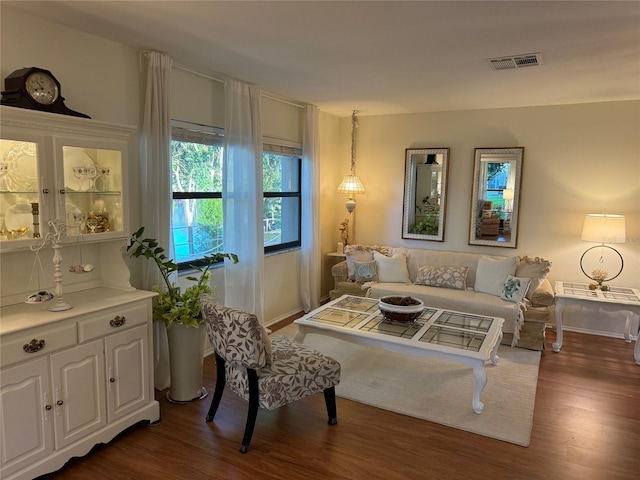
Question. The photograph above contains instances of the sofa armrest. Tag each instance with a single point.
(340, 273)
(543, 296)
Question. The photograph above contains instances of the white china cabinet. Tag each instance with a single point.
(74, 378)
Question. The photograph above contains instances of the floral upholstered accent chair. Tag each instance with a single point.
(269, 372)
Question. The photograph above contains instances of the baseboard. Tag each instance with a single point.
(589, 331)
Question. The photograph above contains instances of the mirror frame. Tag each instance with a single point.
(517, 155)
(410, 190)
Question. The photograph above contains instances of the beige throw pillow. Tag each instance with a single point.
(442, 276)
(392, 269)
(491, 274)
(361, 254)
(536, 269)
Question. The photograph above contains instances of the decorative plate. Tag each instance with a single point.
(22, 167)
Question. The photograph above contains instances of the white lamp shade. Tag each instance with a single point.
(603, 228)
(351, 185)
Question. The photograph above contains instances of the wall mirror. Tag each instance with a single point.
(495, 198)
(425, 193)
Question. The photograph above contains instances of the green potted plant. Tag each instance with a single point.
(180, 312)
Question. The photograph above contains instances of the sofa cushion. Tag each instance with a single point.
(491, 274)
(536, 269)
(515, 288)
(443, 277)
(392, 269)
(366, 271)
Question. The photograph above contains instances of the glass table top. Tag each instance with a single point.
(581, 290)
(442, 327)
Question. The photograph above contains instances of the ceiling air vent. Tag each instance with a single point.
(515, 61)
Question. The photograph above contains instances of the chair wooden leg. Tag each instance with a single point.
(330, 400)
(220, 382)
(254, 404)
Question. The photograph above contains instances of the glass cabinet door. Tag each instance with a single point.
(92, 190)
(20, 200)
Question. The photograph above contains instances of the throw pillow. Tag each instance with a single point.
(536, 269)
(366, 271)
(515, 288)
(392, 269)
(444, 277)
(360, 253)
(491, 274)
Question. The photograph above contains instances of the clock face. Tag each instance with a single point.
(42, 88)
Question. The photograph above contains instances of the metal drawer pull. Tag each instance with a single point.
(47, 407)
(118, 321)
(33, 346)
(59, 402)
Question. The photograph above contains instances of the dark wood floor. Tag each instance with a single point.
(586, 426)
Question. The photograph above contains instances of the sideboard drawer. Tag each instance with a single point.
(112, 321)
(32, 343)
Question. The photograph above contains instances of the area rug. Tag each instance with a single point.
(531, 336)
(436, 390)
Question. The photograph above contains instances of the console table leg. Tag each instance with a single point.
(627, 327)
(557, 345)
(481, 381)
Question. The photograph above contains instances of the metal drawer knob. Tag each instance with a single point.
(33, 346)
(117, 321)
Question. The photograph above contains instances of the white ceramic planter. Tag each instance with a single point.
(186, 355)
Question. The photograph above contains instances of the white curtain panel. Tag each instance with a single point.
(310, 251)
(155, 158)
(242, 198)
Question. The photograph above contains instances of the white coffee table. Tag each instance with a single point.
(456, 336)
(617, 299)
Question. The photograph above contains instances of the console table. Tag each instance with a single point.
(618, 299)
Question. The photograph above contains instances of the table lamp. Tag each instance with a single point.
(602, 228)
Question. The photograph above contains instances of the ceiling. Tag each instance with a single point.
(384, 57)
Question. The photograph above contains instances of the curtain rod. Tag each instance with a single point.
(209, 77)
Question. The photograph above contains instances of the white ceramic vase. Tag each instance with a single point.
(186, 356)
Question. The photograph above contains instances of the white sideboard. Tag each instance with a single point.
(73, 379)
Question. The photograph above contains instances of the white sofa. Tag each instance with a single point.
(473, 293)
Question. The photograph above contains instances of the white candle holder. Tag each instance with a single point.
(57, 228)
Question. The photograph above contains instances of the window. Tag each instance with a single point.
(196, 183)
(282, 200)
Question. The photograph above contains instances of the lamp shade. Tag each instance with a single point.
(351, 185)
(603, 228)
(508, 193)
